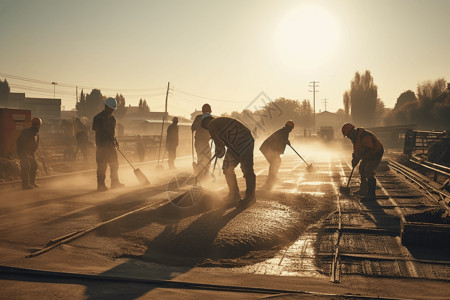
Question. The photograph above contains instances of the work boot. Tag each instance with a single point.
(34, 184)
(27, 187)
(362, 188)
(101, 187)
(115, 184)
(371, 186)
(250, 197)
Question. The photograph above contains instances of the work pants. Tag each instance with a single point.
(28, 168)
(107, 156)
(172, 154)
(203, 150)
(274, 165)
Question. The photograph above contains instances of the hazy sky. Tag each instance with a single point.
(225, 51)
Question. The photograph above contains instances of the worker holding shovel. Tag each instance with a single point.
(369, 150)
(104, 125)
(272, 148)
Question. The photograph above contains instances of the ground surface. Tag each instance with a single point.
(286, 246)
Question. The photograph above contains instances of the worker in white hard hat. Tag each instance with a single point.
(27, 144)
(104, 125)
(272, 148)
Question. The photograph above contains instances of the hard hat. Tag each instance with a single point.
(346, 128)
(175, 119)
(289, 123)
(111, 103)
(206, 108)
(36, 122)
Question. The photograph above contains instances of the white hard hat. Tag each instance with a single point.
(111, 103)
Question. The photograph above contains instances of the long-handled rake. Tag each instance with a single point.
(190, 197)
(309, 167)
(140, 176)
(345, 189)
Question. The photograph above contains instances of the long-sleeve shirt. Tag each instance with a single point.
(28, 141)
(366, 146)
(231, 133)
(104, 126)
(200, 132)
(276, 142)
(172, 136)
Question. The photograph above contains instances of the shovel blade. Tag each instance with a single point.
(141, 177)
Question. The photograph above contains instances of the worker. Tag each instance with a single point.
(239, 143)
(272, 148)
(104, 125)
(202, 147)
(172, 142)
(140, 148)
(27, 144)
(369, 150)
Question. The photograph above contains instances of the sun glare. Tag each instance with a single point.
(307, 34)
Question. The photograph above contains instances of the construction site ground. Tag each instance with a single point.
(303, 239)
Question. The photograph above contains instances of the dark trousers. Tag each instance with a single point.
(28, 168)
(107, 156)
(172, 154)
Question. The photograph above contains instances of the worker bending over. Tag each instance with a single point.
(239, 143)
(369, 150)
(272, 148)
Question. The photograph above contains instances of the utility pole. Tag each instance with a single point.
(314, 91)
(325, 102)
(162, 125)
(54, 89)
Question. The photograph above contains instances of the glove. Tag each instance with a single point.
(220, 152)
(116, 142)
(355, 161)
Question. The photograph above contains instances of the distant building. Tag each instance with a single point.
(328, 119)
(195, 114)
(45, 108)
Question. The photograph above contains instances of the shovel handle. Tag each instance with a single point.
(350, 177)
(299, 155)
(125, 158)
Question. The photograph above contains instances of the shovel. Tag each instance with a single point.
(309, 167)
(345, 189)
(194, 164)
(140, 176)
(190, 197)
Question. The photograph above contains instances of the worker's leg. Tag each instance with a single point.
(371, 166)
(25, 171)
(33, 170)
(229, 164)
(246, 160)
(101, 168)
(171, 158)
(363, 185)
(113, 162)
(275, 162)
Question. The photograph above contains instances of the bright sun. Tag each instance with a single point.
(307, 34)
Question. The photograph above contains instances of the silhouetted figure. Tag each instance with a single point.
(172, 142)
(239, 143)
(272, 148)
(140, 148)
(367, 149)
(27, 144)
(202, 147)
(104, 125)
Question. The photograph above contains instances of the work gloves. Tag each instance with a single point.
(220, 152)
(355, 161)
(116, 142)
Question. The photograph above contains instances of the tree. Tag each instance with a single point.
(346, 101)
(363, 99)
(95, 102)
(404, 98)
(4, 92)
(81, 105)
(121, 109)
(145, 107)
